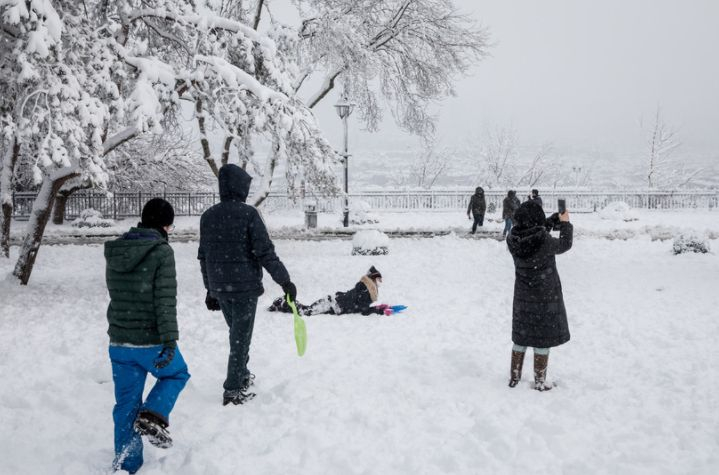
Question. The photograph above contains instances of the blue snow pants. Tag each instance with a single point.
(130, 366)
(507, 226)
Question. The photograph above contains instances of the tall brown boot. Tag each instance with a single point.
(515, 370)
(540, 372)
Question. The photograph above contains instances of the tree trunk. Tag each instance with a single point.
(5, 237)
(58, 214)
(6, 176)
(266, 184)
(39, 217)
(206, 153)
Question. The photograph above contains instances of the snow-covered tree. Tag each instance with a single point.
(429, 165)
(92, 75)
(158, 162)
(536, 168)
(663, 169)
(498, 157)
(406, 52)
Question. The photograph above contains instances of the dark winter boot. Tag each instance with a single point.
(515, 370)
(280, 305)
(237, 397)
(540, 372)
(154, 428)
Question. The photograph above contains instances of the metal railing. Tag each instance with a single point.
(126, 205)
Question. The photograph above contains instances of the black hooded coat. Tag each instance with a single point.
(477, 203)
(539, 318)
(234, 243)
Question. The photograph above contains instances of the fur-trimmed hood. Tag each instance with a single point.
(523, 242)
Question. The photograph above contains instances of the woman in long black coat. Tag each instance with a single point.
(539, 318)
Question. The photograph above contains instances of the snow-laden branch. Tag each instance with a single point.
(10, 30)
(235, 77)
(204, 21)
(111, 143)
(327, 85)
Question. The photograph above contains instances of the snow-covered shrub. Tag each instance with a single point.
(689, 242)
(370, 243)
(618, 211)
(90, 218)
(361, 213)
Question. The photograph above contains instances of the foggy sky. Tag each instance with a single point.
(580, 73)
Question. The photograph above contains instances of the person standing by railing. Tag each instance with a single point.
(534, 196)
(510, 204)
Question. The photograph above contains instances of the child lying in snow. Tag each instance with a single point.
(356, 300)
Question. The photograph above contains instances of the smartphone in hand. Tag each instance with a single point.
(561, 206)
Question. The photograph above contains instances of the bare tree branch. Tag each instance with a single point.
(206, 153)
(258, 14)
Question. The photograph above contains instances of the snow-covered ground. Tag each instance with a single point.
(423, 392)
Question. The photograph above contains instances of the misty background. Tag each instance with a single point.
(584, 77)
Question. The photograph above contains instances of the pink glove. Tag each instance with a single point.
(384, 308)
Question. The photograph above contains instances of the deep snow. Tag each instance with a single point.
(420, 392)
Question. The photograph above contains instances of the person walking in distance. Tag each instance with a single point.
(234, 248)
(477, 207)
(539, 318)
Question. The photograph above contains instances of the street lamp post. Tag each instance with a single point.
(344, 109)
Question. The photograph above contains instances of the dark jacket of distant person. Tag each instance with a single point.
(477, 203)
(510, 204)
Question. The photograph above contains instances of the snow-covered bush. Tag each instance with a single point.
(690, 242)
(370, 243)
(618, 211)
(361, 213)
(91, 218)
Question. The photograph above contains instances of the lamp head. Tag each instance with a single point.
(344, 108)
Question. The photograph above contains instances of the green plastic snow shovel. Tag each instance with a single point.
(300, 328)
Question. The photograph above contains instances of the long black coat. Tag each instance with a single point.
(234, 243)
(539, 318)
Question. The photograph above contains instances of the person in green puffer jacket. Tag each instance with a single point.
(143, 332)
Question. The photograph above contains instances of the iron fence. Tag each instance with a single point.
(126, 205)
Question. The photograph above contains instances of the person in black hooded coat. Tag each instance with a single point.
(234, 247)
(539, 318)
(477, 206)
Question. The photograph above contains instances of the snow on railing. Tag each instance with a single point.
(125, 205)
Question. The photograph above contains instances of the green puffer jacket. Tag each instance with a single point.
(141, 279)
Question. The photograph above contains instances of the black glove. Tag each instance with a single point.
(552, 222)
(166, 355)
(212, 303)
(289, 289)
